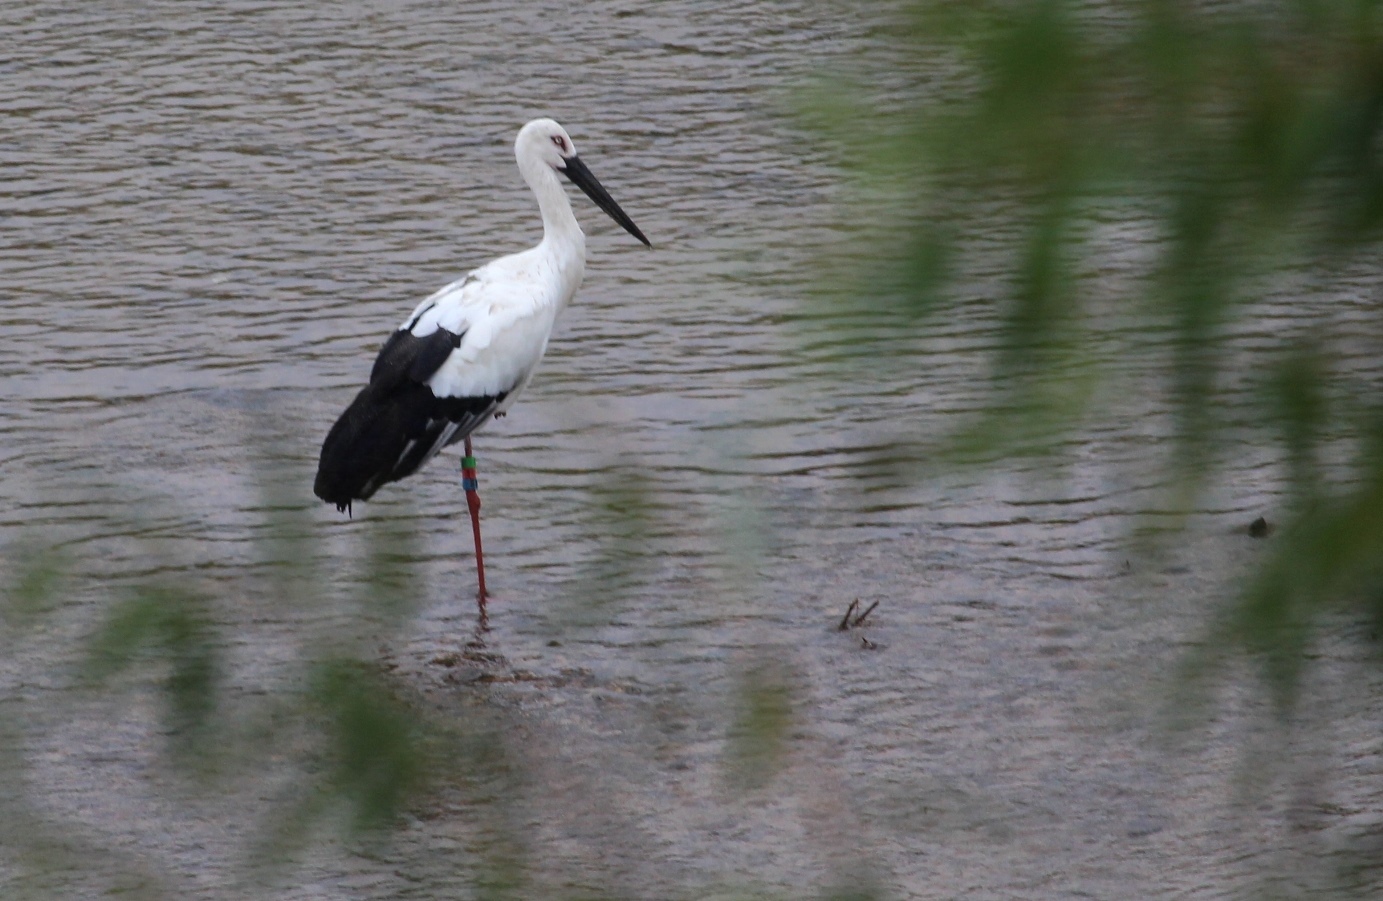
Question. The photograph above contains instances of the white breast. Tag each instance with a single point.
(504, 313)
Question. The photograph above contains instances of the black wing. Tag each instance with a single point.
(396, 424)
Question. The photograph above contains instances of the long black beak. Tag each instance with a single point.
(584, 179)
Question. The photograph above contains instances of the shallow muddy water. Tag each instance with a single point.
(214, 214)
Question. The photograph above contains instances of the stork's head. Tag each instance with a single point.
(545, 140)
(546, 143)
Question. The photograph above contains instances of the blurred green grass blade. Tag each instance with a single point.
(763, 721)
(170, 627)
(37, 576)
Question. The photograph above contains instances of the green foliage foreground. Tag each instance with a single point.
(1233, 154)
(270, 705)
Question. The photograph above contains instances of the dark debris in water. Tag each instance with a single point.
(1260, 528)
(846, 623)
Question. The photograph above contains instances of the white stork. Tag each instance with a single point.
(464, 354)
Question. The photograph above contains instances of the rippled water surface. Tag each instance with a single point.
(213, 215)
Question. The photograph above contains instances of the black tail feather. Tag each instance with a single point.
(364, 448)
(369, 445)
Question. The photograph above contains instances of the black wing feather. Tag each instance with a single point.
(396, 424)
(405, 355)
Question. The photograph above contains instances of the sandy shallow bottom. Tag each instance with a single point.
(216, 212)
(976, 737)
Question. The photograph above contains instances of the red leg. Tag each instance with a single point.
(471, 484)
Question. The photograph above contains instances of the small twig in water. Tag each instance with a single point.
(868, 610)
(845, 620)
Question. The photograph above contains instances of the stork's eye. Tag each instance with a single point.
(561, 142)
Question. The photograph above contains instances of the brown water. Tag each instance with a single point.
(213, 215)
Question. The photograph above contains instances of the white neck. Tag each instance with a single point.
(559, 222)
